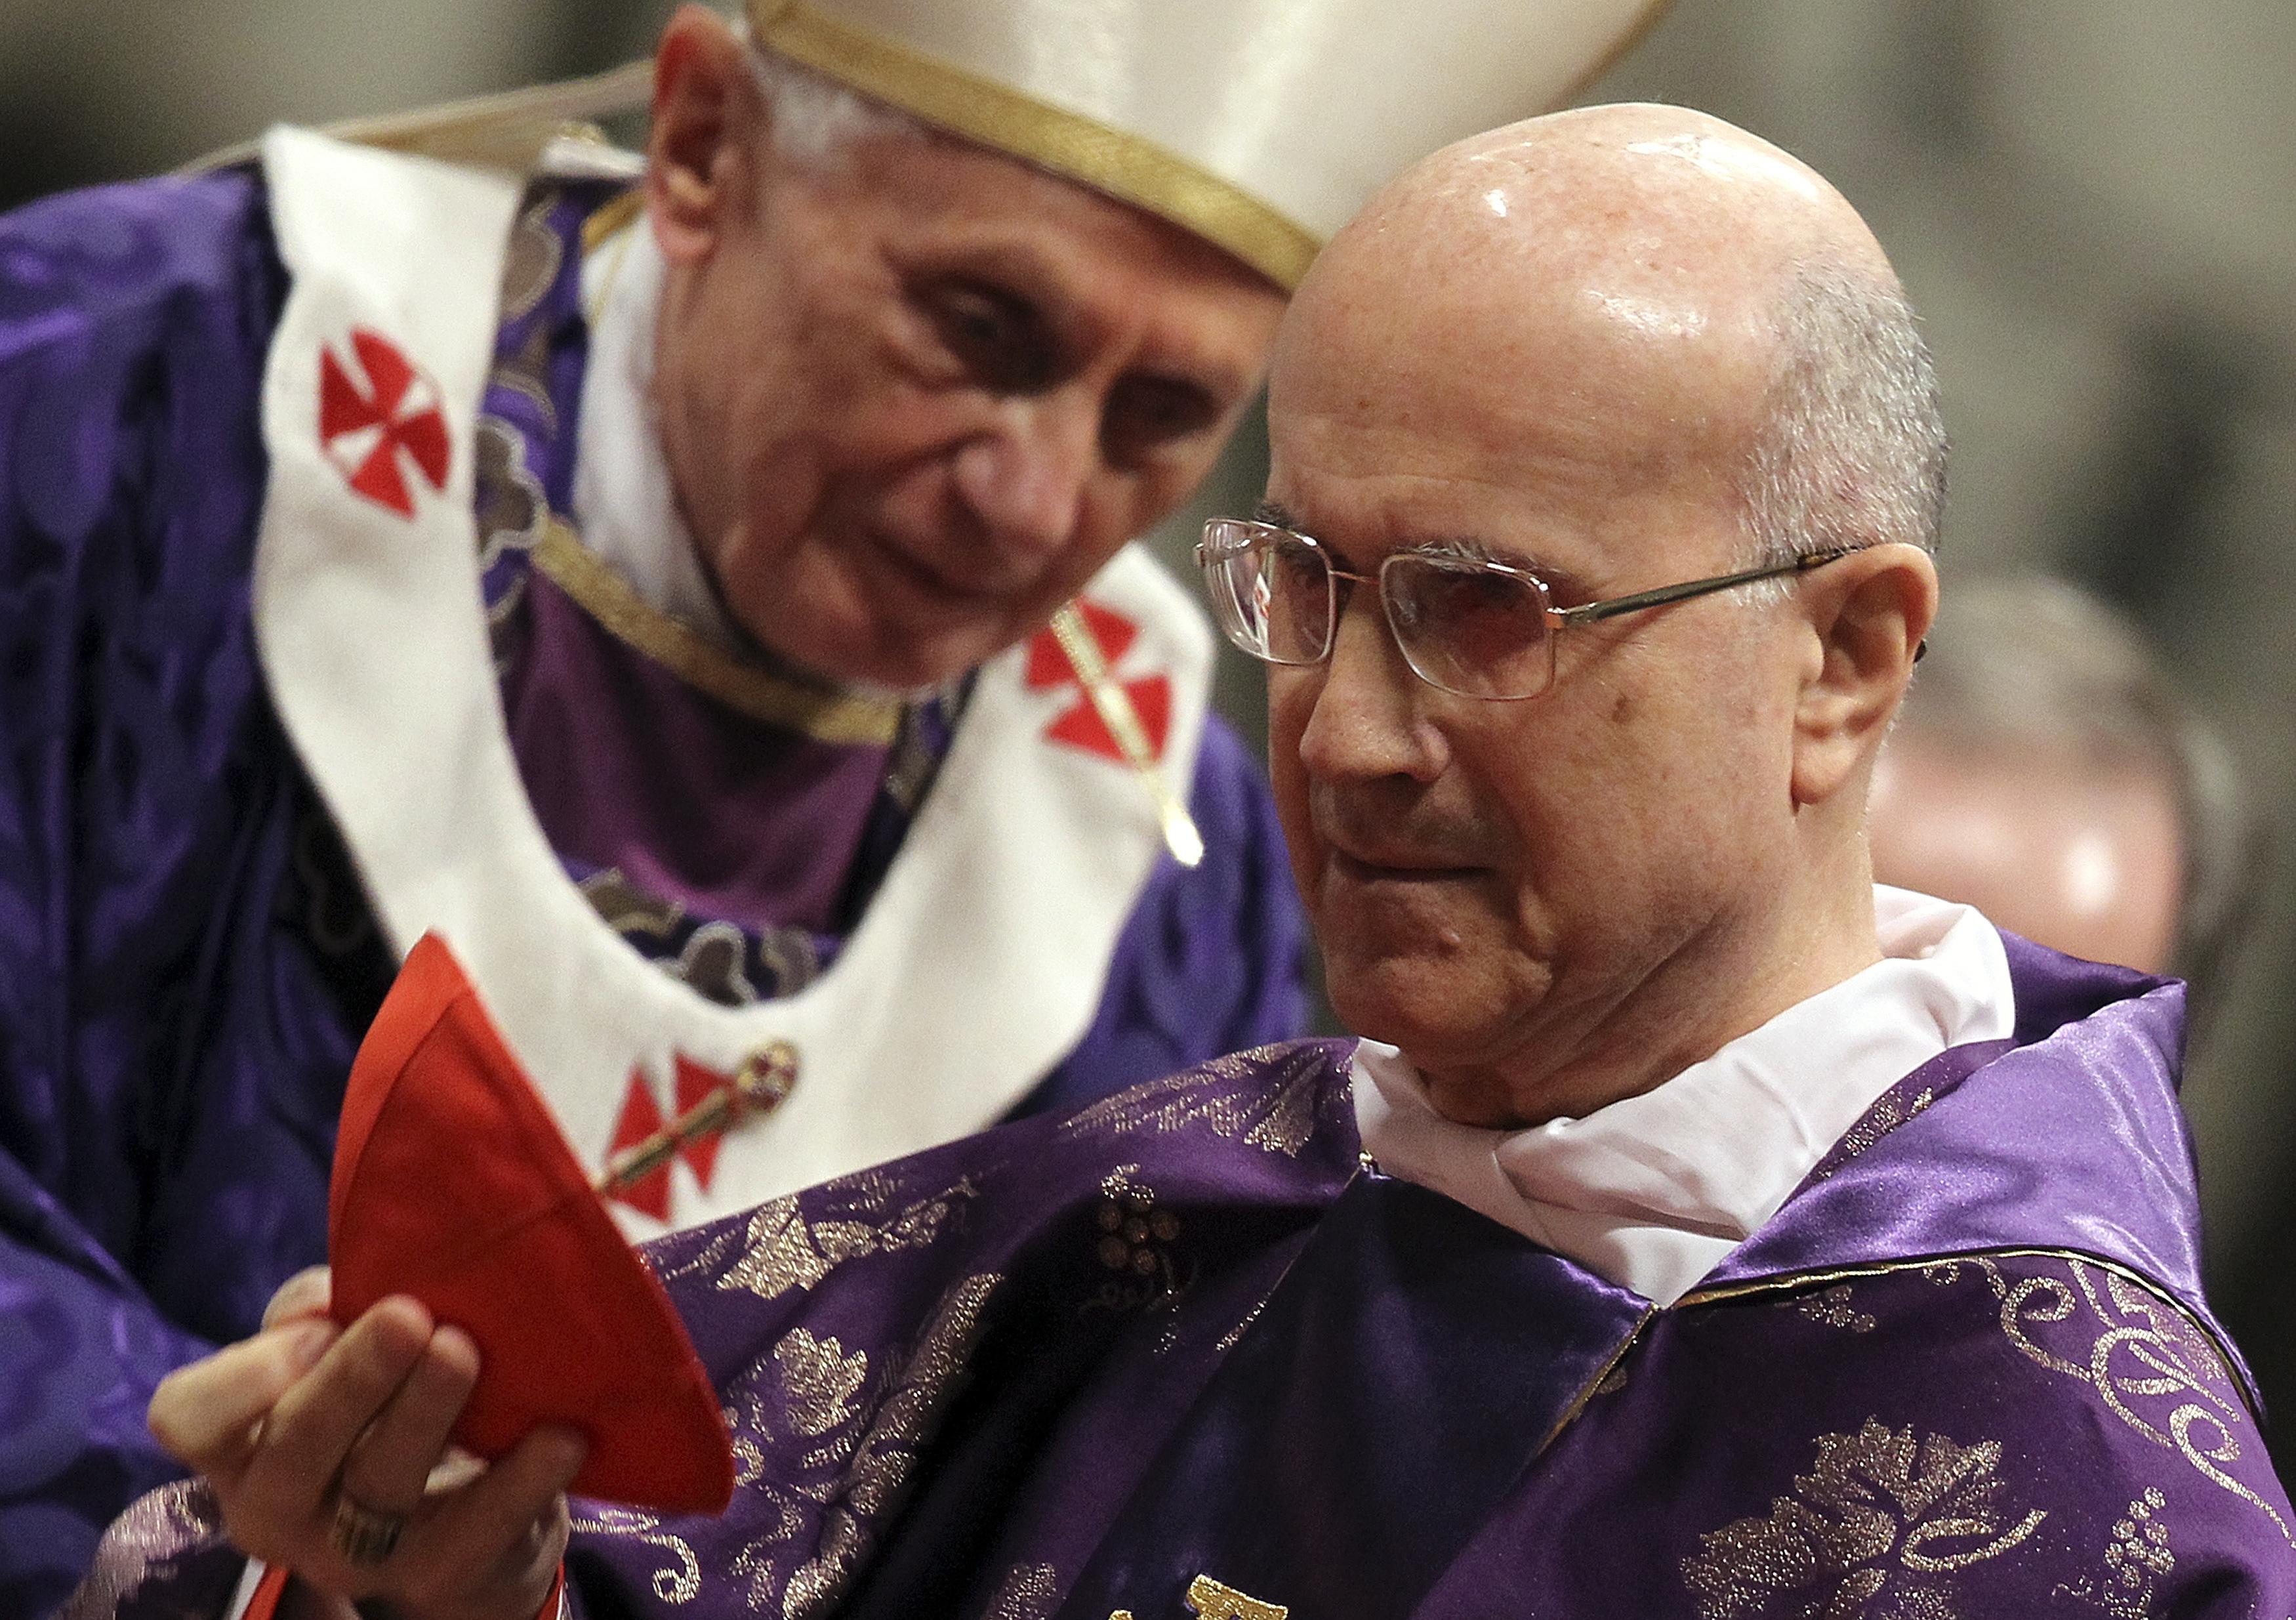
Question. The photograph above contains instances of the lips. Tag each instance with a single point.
(1357, 869)
(1374, 836)
(931, 579)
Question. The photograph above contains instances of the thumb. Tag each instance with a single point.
(310, 1292)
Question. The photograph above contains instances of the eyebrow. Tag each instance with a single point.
(1460, 547)
(1054, 288)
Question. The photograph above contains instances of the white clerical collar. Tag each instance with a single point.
(625, 508)
(1653, 1191)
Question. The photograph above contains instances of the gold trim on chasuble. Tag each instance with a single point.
(1123, 165)
(1798, 1282)
(831, 716)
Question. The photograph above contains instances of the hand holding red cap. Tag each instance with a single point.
(453, 1185)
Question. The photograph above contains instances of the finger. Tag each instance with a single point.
(312, 1428)
(308, 1293)
(205, 1414)
(506, 1526)
(391, 1462)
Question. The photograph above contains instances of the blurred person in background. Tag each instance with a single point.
(695, 587)
(2045, 769)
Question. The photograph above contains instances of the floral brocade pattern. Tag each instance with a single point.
(827, 1444)
(1882, 1523)
(826, 1438)
(1275, 1110)
(2148, 1363)
(1027, 1593)
(164, 1528)
(2135, 1560)
(782, 1249)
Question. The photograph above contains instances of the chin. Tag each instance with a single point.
(897, 660)
(1402, 1001)
(1441, 1007)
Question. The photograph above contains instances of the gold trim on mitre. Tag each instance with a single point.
(831, 717)
(1125, 166)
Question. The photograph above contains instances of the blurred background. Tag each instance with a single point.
(2092, 202)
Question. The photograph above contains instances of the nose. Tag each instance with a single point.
(1367, 721)
(1026, 478)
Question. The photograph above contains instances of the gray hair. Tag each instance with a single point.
(816, 119)
(1850, 450)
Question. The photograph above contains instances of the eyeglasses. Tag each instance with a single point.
(1465, 625)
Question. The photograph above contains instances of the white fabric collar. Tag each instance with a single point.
(625, 507)
(1653, 1191)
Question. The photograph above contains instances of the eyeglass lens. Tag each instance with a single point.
(1463, 626)
(1468, 628)
(1271, 590)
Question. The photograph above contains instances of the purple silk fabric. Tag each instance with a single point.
(629, 767)
(1932, 1399)
(1072, 1365)
(186, 961)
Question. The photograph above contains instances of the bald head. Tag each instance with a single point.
(1665, 208)
(1677, 252)
(1616, 350)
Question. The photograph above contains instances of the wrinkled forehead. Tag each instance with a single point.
(1571, 406)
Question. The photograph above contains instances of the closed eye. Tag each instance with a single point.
(1147, 413)
(1000, 338)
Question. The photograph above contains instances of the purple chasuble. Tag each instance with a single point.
(1178, 1354)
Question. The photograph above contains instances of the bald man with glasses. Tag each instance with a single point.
(1696, 1228)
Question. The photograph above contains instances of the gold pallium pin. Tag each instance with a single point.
(758, 1087)
(1208, 1600)
(1123, 722)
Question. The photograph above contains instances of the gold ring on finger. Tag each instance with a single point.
(361, 1533)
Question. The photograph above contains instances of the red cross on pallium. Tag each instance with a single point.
(365, 432)
(1079, 725)
(642, 1116)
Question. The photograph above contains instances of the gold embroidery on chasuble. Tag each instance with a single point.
(678, 1582)
(1881, 1511)
(1026, 1592)
(1276, 1113)
(780, 1250)
(1208, 1600)
(1133, 1240)
(1833, 1308)
(1879, 1119)
(2136, 1557)
(180, 1518)
(827, 1442)
(2154, 1367)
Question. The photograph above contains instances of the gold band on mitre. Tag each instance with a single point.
(1125, 166)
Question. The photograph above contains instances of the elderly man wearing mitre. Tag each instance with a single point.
(1700, 1230)
(650, 575)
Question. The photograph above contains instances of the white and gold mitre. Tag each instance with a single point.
(1259, 124)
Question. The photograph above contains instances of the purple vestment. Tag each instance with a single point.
(1182, 1342)
(186, 960)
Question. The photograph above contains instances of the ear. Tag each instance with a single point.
(1868, 613)
(708, 118)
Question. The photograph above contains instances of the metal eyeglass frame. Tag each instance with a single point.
(1217, 545)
